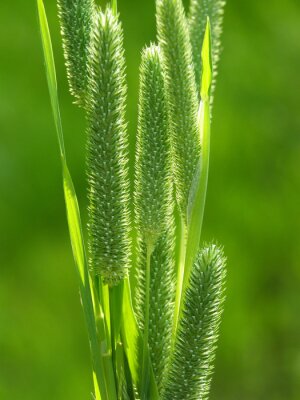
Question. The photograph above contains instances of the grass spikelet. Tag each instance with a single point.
(153, 195)
(199, 11)
(76, 22)
(107, 167)
(191, 369)
(174, 40)
(154, 206)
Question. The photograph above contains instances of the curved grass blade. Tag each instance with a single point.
(73, 214)
(199, 187)
(198, 12)
(173, 38)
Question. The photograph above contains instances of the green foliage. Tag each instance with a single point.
(192, 364)
(198, 12)
(173, 37)
(107, 148)
(76, 21)
(166, 349)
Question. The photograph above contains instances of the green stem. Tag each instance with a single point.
(180, 275)
(115, 302)
(103, 337)
(133, 343)
(114, 6)
(145, 362)
(120, 371)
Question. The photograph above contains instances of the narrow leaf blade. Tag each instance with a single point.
(72, 208)
(199, 186)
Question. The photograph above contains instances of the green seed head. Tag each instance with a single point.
(190, 373)
(153, 194)
(107, 148)
(76, 21)
(154, 205)
(174, 41)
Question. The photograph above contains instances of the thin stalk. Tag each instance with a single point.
(180, 275)
(120, 371)
(114, 6)
(104, 296)
(145, 362)
(103, 337)
(115, 303)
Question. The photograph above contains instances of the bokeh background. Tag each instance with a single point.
(252, 208)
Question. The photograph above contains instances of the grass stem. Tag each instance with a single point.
(180, 275)
(145, 361)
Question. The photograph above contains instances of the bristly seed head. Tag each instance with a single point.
(192, 366)
(173, 37)
(107, 167)
(76, 21)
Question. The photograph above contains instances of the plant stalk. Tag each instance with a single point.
(145, 362)
(179, 275)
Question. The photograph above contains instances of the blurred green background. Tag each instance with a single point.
(253, 204)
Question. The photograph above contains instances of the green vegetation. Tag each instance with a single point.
(162, 345)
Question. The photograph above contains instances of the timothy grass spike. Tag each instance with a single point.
(198, 13)
(154, 206)
(153, 193)
(76, 21)
(107, 168)
(173, 36)
(191, 368)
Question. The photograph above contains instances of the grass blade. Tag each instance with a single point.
(72, 208)
(198, 12)
(199, 187)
